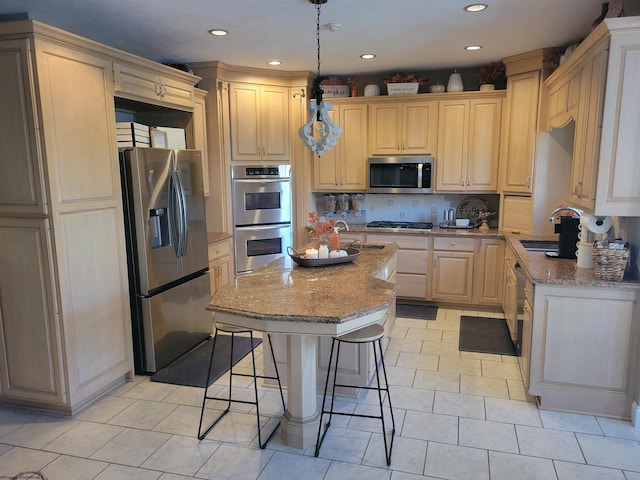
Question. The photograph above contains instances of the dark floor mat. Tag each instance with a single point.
(421, 312)
(191, 368)
(485, 335)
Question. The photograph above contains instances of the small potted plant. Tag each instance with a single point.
(487, 76)
(399, 84)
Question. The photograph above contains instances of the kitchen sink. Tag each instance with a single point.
(540, 245)
(369, 246)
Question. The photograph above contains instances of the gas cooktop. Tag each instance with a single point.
(389, 224)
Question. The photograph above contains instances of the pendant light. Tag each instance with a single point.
(322, 135)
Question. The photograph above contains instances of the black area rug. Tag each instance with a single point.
(485, 335)
(421, 312)
(191, 368)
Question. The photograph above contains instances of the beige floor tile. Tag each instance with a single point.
(451, 336)
(575, 471)
(412, 323)
(73, 468)
(571, 422)
(181, 455)
(401, 376)
(131, 447)
(190, 395)
(488, 435)
(440, 348)
(407, 454)
(418, 361)
(546, 443)
(342, 470)
(122, 472)
(19, 460)
(448, 382)
(399, 332)
(105, 409)
(619, 428)
(83, 439)
(610, 452)
(500, 370)
(430, 426)
(455, 462)
(506, 466)
(405, 345)
(490, 387)
(11, 418)
(460, 405)
(148, 390)
(345, 444)
(517, 391)
(512, 411)
(286, 465)
(430, 334)
(40, 431)
(465, 366)
(143, 414)
(183, 420)
(233, 462)
(412, 398)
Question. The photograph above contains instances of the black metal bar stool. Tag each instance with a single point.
(233, 331)
(371, 334)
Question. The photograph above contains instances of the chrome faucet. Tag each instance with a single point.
(346, 225)
(575, 210)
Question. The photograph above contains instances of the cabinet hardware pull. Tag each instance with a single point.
(469, 181)
(462, 181)
(529, 181)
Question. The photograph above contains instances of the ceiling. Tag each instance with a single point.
(405, 35)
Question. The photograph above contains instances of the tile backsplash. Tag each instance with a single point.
(413, 208)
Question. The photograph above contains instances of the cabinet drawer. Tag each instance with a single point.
(412, 262)
(411, 286)
(405, 242)
(219, 249)
(455, 244)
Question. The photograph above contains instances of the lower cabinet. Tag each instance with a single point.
(220, 264)
(487, 283)
(584, 349)
(452, 269)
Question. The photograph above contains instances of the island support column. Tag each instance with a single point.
(300, 421)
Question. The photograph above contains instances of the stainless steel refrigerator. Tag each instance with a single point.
(165, 223)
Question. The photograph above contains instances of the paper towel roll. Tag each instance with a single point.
(599, 224)
(585, 255)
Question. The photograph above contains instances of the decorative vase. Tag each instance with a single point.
(484, 227)
(455, 83)
(354, 90)
(487, 86)
(371, 90)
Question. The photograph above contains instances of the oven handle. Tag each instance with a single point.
(273, 226)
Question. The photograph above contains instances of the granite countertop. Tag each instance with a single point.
(436, 231)
(541, 269)
(283, 290)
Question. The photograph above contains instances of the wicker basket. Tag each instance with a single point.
(609, 264)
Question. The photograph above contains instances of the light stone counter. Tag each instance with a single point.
(283, 297)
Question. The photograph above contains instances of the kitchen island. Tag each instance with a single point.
(305, 303)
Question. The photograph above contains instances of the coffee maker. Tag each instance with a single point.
(568, 238)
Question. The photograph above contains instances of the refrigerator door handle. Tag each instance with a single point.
(182, 212)
(174, 227)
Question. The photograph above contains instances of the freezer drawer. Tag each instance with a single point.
(175, 321)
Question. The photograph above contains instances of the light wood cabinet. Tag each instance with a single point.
(468, 145)
(487, 284)
(584, 348)
(343, 168)
(220, 264)
(199, 129)
(147, 85)
(259, 122)
(452, 269)
(65, 331)
(406, 128)
(412, 263)
(519, 145)
(563, 101)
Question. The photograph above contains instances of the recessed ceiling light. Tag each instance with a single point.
(367, 56)
(275, 62)
(218, 32)
(475, 7)
(473, 47)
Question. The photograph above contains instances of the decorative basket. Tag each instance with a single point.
(609, 264)
(403, 88)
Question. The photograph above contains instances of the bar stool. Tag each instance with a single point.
(234, 331)
(371, 334)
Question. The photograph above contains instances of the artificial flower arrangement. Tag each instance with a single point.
(409, 78)
(324, 229)
(489, 74)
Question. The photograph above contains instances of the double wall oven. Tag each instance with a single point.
(261, 214)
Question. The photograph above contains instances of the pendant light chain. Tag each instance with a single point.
(318, 34)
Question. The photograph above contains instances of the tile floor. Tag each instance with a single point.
(458, 416)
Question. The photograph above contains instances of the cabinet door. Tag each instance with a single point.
(244, 113)
(485, 119)
(199, 127)
(30, 356)
(452, 278)
(353, 147)
(453, 137)
(419, 125)
(274, 123)
(385, 129)
(489, 272)
(521, 132)
(326, 168)
(21, 189)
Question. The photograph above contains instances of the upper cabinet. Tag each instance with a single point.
(150, 86)
(605, 166)
(199, 130)
(259, 122)
(403, 127)
(469, 144)
(343, 168)
(519, 145)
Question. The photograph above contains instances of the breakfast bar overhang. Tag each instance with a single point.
(305, 303)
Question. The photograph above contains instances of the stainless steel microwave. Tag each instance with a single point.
(400, 175)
